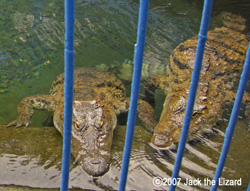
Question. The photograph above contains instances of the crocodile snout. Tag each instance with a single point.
(160, 140)
(95, 166)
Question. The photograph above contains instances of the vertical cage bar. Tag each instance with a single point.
(233, 120)
(193, 87)
(68, 90)
(138, 59)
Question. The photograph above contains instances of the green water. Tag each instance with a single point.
(32, 36)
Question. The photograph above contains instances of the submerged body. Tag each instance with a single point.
(98, 98)
(223, 61)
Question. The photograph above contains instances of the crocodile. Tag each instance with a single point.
(98, 98)
(222, 64)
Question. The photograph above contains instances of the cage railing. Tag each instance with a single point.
(138, 60)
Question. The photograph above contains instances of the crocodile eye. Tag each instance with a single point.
(179, 109)
(98, 124)
(195, 114)
(77, 125)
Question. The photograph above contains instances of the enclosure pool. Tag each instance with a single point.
(32, 37)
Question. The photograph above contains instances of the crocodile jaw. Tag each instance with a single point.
(92, 150)
(92, 134)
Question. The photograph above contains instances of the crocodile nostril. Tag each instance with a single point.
(95, 161)
(162, 138)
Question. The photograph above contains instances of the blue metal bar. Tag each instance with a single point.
(248, 188)
(68, 89)
(233, 120)
(193, 87)
(138, 59)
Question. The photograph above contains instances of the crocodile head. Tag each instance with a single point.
(92, 133)
(167, 131)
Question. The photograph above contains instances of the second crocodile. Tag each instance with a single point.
(223, 61)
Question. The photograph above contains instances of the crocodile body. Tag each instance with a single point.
(98, 98)
(223, 61)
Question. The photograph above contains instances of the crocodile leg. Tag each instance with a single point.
(153, 83)
(144, 109)
(246, 98)
(146, 115)
(26, 108)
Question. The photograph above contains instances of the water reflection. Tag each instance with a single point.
(31, 156)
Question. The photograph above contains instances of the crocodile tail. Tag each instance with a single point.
(124, 70)
(150, 69)
(234, 22)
